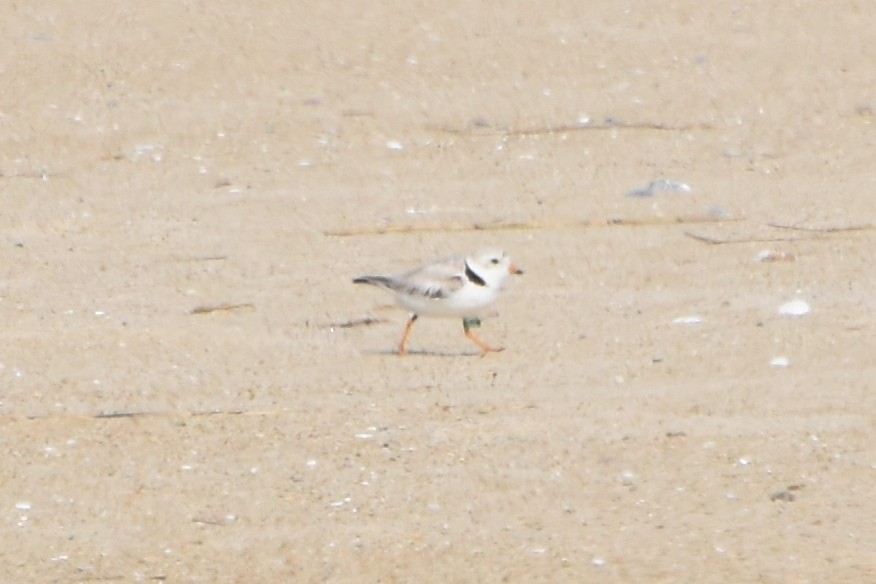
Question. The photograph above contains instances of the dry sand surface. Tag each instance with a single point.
(653, 419)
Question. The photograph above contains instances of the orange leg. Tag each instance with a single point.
(402, 349)
(485, 348)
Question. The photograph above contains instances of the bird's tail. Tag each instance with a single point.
(379, 281)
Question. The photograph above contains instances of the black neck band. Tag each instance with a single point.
(472, 277)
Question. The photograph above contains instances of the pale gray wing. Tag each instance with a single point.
(435, 280)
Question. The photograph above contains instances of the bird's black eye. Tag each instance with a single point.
(494, 261)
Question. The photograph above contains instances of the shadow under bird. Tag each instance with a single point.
(463, 287)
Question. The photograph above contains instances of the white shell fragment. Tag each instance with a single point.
(769, 255)
(660, 186)
(794, 308)
(693, 319)
(779, 362)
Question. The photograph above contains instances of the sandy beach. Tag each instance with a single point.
(193, 390)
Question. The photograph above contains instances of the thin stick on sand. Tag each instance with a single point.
(526, 226)
(220, 307)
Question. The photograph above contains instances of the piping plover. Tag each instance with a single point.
(452, 287)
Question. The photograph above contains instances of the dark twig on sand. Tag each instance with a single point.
(220, 307)
(364, 321)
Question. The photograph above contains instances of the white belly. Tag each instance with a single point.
(470, 301)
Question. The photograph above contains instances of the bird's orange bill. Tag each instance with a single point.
(512, 269)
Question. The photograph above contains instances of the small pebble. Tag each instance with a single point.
(782, 496)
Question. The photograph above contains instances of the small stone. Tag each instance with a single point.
(782, 496)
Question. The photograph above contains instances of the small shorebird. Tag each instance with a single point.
(452, 287)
